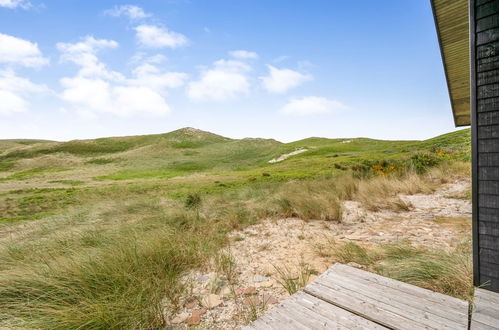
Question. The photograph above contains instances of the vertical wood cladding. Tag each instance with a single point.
(485, 80)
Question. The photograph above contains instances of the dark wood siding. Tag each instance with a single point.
(485, 130)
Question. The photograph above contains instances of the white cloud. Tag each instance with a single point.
(139, 99)
(130, 11)
(281, 80)
(97, 89)
(226, 80)
(151, 76)
(11, 4)
(14, 90)
(11, 102)
(20, 52)
(90, 96)
(142, 57)
(311, 105)
(88, 45)
(152, 36)
(11, 82)
(84, 54)
(243, 54)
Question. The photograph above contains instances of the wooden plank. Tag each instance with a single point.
(487, 9)
(367, 309)
(489, 269)
(487, 23)
(489, 187)
(488, 77)
(487, 36)
(440, 313)
(337, 314)
(483, 313)
(488, 118)
(491, 104)
(309, 319)
(348, 298)
(488, 145)
(489, 256)
(489, 283)
(416, 291)
(488, 173)
(487, 295)
(303, 311)
(488, 214)
(488, 91)
(451, 18)
(488, 159)
(491, 201)
(489, 242)
(488, 228)
(275, 320)
(485, 310)
(487, 64)
(488, 132)
(475, 325)
(481, 2)
(488, 50)
(395, 302)
(489, 298)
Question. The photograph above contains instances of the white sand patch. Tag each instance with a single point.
(286, 156)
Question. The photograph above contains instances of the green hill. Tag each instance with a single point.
(189, 159)
(186, 151)
(98, 233)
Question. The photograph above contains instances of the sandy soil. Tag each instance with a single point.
(213, 303)
(286, 156)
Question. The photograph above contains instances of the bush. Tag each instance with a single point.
(193, 201)
(421, 162)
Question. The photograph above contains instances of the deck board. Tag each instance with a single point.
(441, 312)
(303, 311)
(348, 298)
(485, 310)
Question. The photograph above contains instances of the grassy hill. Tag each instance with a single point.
(41, 173)
(119, 220)
(188, 150)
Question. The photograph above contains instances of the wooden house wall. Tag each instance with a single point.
(485, 129)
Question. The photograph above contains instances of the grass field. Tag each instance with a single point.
(96, 234)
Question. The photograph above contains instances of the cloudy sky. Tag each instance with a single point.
(277, 69)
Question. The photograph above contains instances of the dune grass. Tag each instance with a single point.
(110, 253)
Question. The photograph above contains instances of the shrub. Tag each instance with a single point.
(193, 201)
(421, 162)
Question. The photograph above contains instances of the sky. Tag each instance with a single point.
(241, 68)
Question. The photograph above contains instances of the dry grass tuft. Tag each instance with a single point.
(293, 281)
(309, 201)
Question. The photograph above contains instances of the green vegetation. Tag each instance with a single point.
(293, 281)
(30, 173)
(108, 250)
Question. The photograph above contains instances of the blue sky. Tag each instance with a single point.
(260, 68)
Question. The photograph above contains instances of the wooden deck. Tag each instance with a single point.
(485, 310)
(348, 298)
